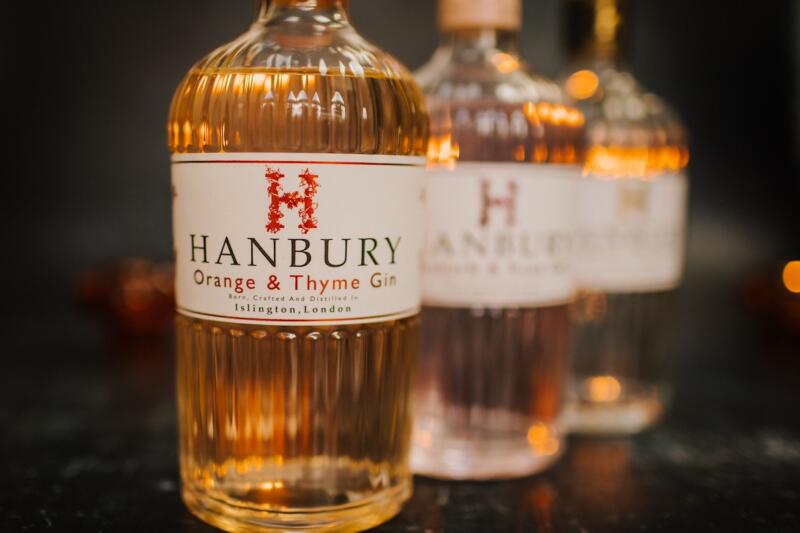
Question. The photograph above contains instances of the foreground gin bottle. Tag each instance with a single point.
(298, 160)
(496, 280)
(631, 222)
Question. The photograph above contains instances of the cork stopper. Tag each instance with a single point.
(478, 14)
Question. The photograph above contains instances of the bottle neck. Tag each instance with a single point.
(293, 11)
(476, 45)
(597, 29)
(304, 4)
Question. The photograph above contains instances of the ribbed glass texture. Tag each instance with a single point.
(296, 428)
(620, 380)
(488, 388)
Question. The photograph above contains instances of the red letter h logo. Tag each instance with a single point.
(305, 201)
(508, 203)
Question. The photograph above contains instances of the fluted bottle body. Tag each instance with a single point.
(496, 282)
(297, 160)
(630, 231)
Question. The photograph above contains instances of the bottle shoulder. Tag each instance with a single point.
(497, 110)
(608, 94)
(628, 130)
(503, 78)
(298, 89)
(343, 52)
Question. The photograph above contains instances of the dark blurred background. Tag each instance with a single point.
(88, 83)
(86, 86)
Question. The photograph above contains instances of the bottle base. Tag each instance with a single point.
(484, 460)
(357, 516)
(617, 418)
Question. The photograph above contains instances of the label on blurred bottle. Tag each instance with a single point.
(499, 235)
(297, 239)
(630, 233)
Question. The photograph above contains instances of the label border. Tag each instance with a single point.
(528, 172)
(374, 319)
(295, 158)
(638, 286)
(527, 304)
(298, 159)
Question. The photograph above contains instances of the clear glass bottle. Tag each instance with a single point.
(631, 223)
(503, 160)
(298, 166)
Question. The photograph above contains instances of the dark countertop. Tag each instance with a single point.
(89, 444)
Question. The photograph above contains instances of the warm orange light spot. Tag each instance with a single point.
(284, 80)
(519, 153)
(615, 161)
(238, 84)
(218, 85)
(442, 149)
(540, 152)
(187, 132)
(542, 439)
(258, 80)
(537, 433)
(574, 118)
(582, 84)
(505, 63)
(603, 388)
(529, 108)
(791, 276)
(271, 485)
(204, 133)
(606, 21)
(543, 110)
(558, 115)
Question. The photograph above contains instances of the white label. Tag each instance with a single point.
(297, 239)
(499, 235)
(631, 233)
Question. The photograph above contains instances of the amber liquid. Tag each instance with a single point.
(295, 427)
(489, 382)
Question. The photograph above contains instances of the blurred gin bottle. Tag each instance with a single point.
(497, 286)
(630, 229)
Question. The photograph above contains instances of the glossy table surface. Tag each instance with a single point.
(88, 444)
